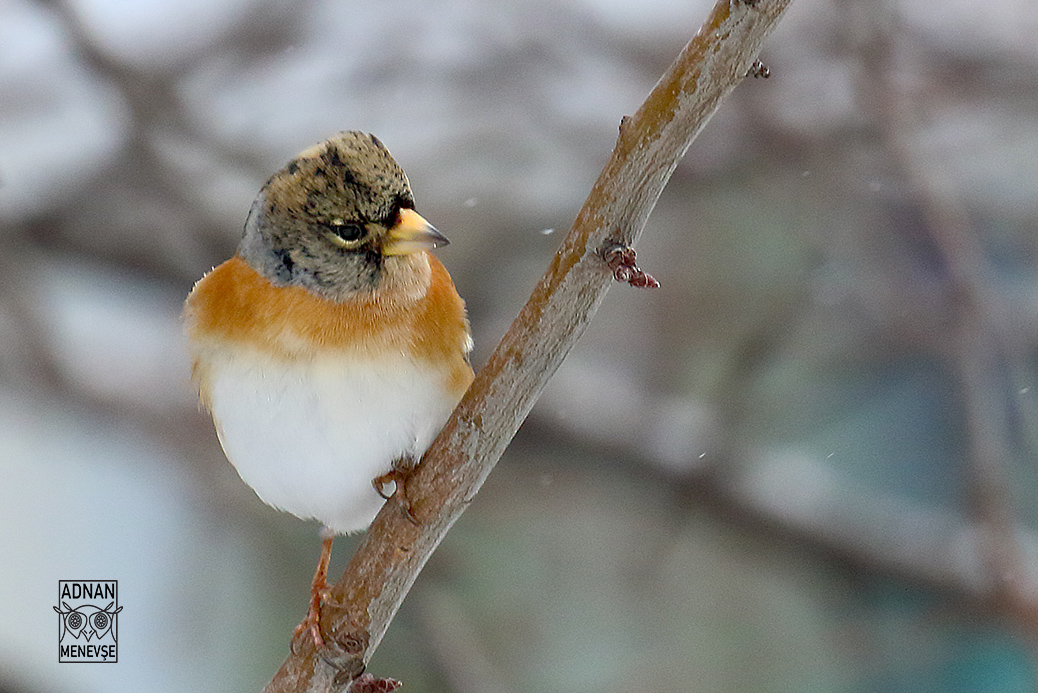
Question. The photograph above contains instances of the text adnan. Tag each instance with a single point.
(87, 590)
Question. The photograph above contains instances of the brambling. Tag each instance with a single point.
(333, 346)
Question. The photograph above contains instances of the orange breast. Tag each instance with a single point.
(233, 306)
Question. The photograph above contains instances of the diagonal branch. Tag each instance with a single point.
(650, 145)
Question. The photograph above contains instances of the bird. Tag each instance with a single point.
(333, 346)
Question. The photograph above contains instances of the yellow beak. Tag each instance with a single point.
(411, 234)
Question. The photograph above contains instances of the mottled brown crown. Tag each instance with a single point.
(350, 178)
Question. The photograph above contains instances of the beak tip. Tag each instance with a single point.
(438, 239)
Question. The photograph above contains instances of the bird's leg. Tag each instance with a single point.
(318, 591)
(403, 468)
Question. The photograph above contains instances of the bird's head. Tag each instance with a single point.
(337, 220)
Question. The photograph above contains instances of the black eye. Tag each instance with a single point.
(348, 232)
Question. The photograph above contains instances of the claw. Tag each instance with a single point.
(398, 475)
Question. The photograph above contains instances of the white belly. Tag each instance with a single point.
(310, 438)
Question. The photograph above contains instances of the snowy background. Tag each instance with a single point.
(806, 463)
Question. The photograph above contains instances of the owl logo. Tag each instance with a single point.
(87, 621)
(88, 632)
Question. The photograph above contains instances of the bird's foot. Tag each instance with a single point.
(398, 476)
(312, 622)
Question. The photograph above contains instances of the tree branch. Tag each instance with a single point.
(649, 147)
